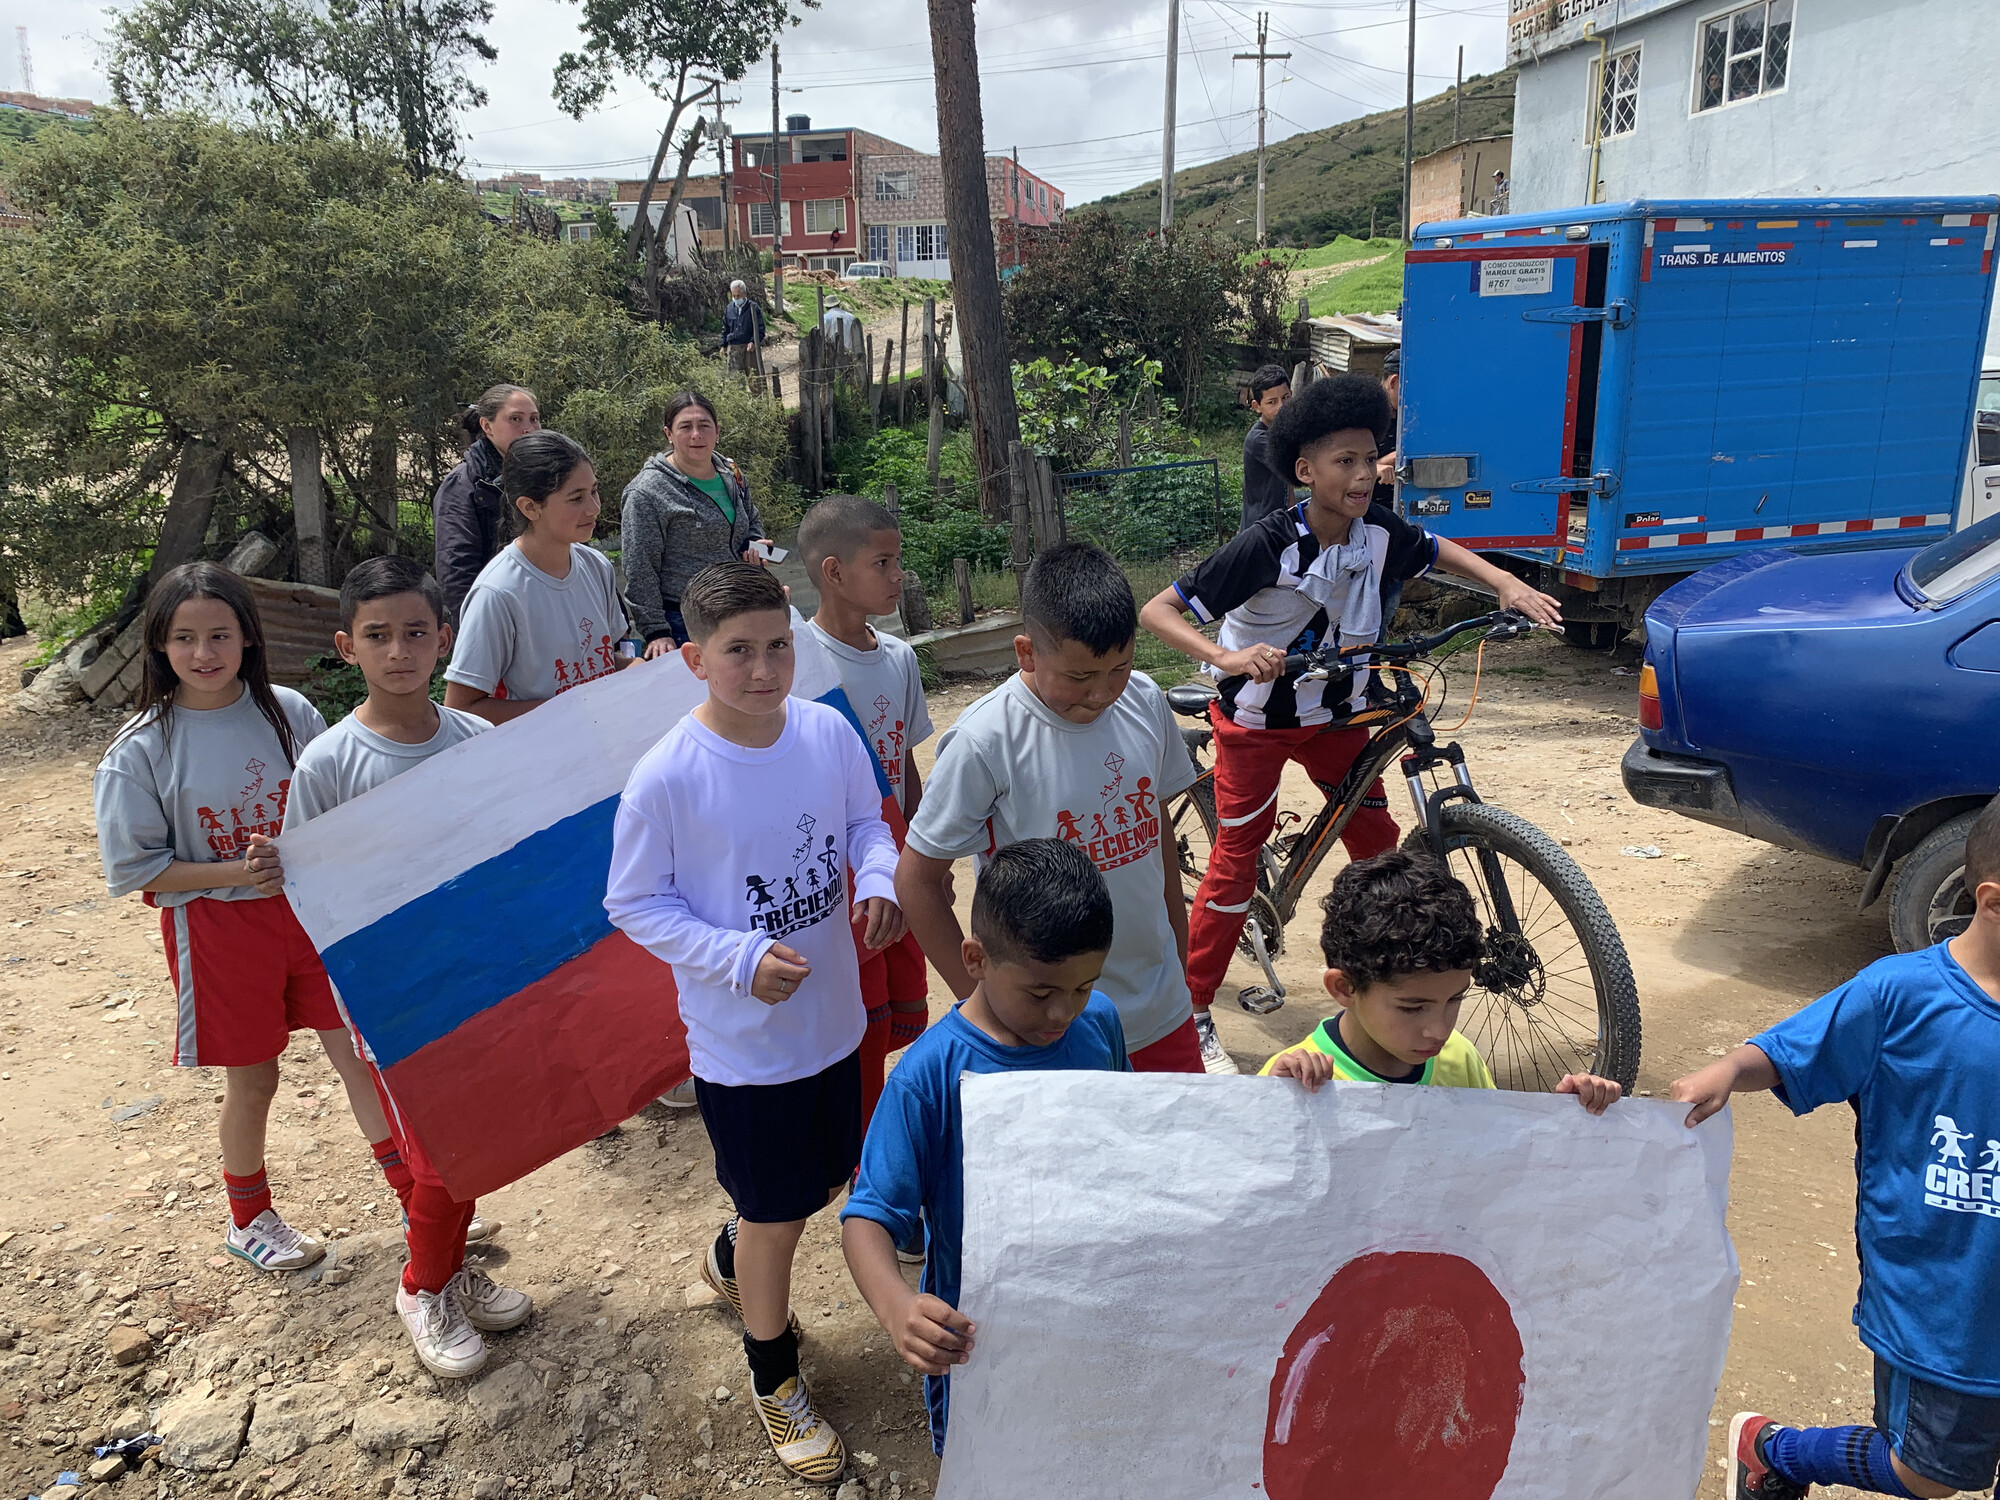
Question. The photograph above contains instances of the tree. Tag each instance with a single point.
(310, 67)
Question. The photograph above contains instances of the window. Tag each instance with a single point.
(753, 156)
(825, 215)
(1743, 54)
(707, 212)
(920, 242)
(1615, 86)
(1042, 197)
(895, 187)
(823, 148)
(878, 241)
(760, 219)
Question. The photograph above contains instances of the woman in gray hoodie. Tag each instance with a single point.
(688, 507)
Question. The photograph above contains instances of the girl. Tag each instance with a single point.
(189, 797)
(687, 508)
(544, 616)
(467, 514)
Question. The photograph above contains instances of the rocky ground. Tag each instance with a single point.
(119, 1315)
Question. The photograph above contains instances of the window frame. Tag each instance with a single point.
(813, 204)
(882, 243)
(1594, 105)
(784, 218)
(1728, 13)
(908, 178)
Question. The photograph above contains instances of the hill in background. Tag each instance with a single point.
(1322, 183)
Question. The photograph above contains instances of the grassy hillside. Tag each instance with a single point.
(21, 125)
(1325, 182)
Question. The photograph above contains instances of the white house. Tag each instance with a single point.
(1753, 98)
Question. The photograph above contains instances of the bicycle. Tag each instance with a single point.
(1554, 992)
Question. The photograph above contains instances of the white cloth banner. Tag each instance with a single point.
(1191, 1287)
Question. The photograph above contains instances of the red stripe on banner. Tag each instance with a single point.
(1776, 245)
(1860, 525)
(606, 1038)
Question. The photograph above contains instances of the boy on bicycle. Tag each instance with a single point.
(1309, 576)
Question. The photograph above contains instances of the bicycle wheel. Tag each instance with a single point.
(1554, 993)
(1191, 821)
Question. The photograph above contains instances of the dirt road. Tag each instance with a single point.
(629, 1381)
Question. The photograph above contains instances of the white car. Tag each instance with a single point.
(866, 270)
(1982, 474)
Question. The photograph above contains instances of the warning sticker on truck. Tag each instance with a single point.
(1515, 278)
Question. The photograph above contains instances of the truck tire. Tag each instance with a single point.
(1593, 635)
(1931, 902)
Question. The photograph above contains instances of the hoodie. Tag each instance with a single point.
(670, 531)
(468, 522)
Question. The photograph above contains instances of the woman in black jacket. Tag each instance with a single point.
(468, 521)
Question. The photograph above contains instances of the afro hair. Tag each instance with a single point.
(1340, 403)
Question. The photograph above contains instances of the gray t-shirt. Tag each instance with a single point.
(534, 635)
(351, 758)
(885, 688)
(1012, 769)
(196, 792)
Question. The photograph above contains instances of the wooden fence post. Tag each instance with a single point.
(1125, 438)
(891, 501)
(1017, 491)
(961, 572)
(933, 397)
(903, 367)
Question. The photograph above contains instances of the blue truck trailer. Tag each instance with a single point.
(1607, 399)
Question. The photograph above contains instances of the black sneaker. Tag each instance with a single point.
(1750, 1477)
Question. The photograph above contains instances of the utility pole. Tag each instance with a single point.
(1409, 124)
(777, 199)
(1260, 57)
(1014, 209)
(27, 62)
(721, 158)
(1458, 98)
(1167, 138)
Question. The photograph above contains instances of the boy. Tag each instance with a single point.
(391, 616)
(729, 861)
(1913, 1043)
(1041, 932)
(1316, 574)
(1401, 937)
(853, 551)
(1077, 746)
(1264, 488)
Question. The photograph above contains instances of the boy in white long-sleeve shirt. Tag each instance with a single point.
(730, 859)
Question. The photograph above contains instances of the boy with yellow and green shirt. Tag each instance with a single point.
(1401, 938)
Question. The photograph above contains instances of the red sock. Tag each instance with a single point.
(248, 1196)
(436, 1238)
(390, 1160)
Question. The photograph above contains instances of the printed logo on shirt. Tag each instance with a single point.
(1960, 1187)
(784, 904)
(1125, 825)
(595, 658)
(257, 809)
(886, 735)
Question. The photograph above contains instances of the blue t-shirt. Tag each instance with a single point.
(914, 1158)
(1916, 1045)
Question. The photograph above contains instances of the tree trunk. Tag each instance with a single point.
(309, 506)
(975, 274)
(688, 150)
(188, 507)
(384, 462)
(659, 159)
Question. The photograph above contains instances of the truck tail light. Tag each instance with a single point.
(1649, 697)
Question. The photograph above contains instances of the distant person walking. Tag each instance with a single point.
(1264, 488)
(742, 330)
(688, 507)
(468, 517)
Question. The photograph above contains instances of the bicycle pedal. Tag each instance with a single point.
(1260, 1001)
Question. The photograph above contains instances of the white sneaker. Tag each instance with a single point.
(489, 1306)
(1213, 1057)
(446, 1341)
(478, 1232)
(680, 1096)
(270, 1244)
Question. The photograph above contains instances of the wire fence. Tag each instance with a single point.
(1148, 511)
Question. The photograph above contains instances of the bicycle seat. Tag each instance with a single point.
(1191, 699)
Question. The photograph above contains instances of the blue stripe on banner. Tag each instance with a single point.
(837, 699)
(432, 964)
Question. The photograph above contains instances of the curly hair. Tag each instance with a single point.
(1398, 913)
(1339, 403)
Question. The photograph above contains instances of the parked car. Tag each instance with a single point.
(1982, 473)
(866, 270)
(1846, 704)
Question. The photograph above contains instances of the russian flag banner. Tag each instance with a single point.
(459, 910)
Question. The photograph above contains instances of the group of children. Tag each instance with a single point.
(1081, 953)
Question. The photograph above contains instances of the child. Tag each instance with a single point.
(853, 552)
(1075, 746)
(543, 616)
(730, 857)
(188, 798)
(392, 628)
(1313, 575)
(1913, 1043)
(1401, 937)
(1041, 932)
(1264, 488)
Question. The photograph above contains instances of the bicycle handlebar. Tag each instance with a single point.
(1500, 625)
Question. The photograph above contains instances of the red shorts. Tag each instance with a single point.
(246, 977)
(1179, 1051)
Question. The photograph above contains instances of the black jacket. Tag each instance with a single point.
(1264, 489)
(467, 522)
(742, 323)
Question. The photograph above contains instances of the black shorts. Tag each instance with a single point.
(782, 1148)
(1942, 1434)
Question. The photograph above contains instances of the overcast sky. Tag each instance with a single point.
(1077, 86)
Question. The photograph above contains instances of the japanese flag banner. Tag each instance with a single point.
(1188, 1288)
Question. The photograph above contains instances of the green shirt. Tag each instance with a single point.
(1458, 1066)
(717, 489)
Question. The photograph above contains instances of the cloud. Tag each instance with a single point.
(1078, 87)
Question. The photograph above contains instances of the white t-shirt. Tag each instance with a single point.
(885, 688)
(719, 851)
(536, 635)
(1011, 768)
(351, 758)
(196, 792)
